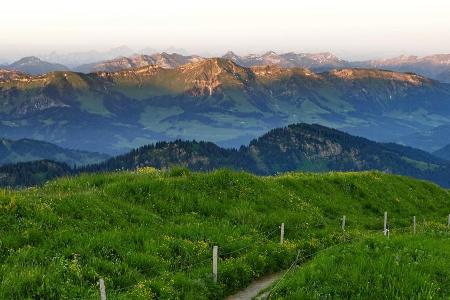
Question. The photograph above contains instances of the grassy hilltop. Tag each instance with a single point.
(149, 233)
(377, 268)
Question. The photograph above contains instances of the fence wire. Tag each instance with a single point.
(358, 234)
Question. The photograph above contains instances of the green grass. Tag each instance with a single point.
(402, 267)
(92, 102)
(150, 234)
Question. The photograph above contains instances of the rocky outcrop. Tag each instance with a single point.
(36, 104)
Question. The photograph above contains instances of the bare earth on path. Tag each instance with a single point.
(255, 287)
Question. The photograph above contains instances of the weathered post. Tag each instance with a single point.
(414, 224)
(102, 289)
(448, 225)
(282, 233)
(385, 224)
(214, 262)
(343, 223)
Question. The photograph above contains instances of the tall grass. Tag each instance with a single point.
(403, 267)
(150, 234)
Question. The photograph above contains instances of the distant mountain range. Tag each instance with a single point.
(75, 59)
(299, 147)
(433, 66)
(314, 61)
(27, 150)
(216, 100)
(163, 60)
(121, 58)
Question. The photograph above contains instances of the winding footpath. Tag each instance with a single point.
(256, 287)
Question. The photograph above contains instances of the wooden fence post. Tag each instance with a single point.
(343, 223)
(448, 225)
(214, 263)
(385, 224)
(282, 233)
(414, 224)
(102, 289)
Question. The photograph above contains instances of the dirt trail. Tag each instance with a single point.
(257, 286)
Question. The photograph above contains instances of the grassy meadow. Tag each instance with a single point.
(401, 267)
(150, 233)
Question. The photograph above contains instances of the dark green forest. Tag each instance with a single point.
(298, 147)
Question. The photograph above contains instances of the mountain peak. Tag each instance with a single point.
(230, 55)
(324, 56)
(35, 66)
(211, 63)
(270, 53)
(210, 74)
(28, 60)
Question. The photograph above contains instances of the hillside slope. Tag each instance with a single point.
(214, 100)
(430, 140)
(25, 150)
(26, 174)
(402, 267)
(443, 153)
(150, 234)
(299, 147)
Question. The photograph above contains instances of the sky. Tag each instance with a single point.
(352, 29)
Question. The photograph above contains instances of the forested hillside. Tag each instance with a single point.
(299, 147)
(32, 173)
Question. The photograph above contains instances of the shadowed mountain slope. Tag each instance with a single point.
(31, 150)
(215, 100)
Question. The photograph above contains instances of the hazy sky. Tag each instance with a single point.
(350, 28)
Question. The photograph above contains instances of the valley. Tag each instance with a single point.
(216, 100)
